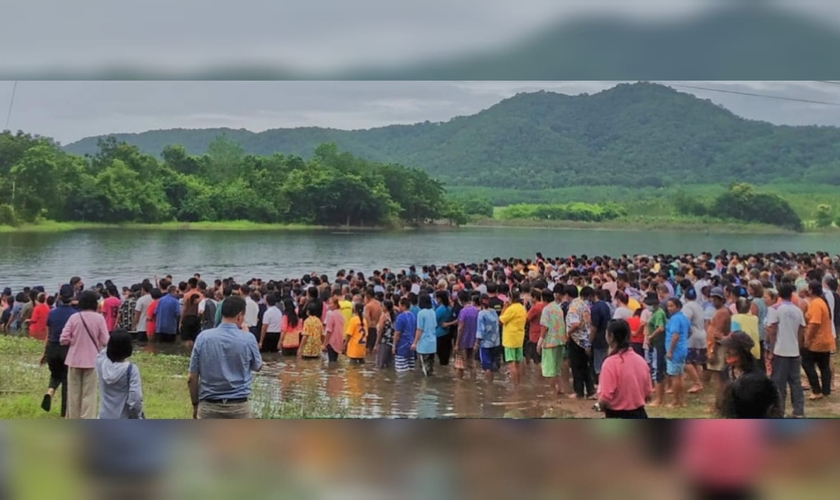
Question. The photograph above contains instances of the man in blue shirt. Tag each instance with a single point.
(221, 366)
(168, 315)
(54, 352)
(677, 331)
(425, 340)
(404, 330)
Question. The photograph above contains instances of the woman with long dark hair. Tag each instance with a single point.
(355, 338)
(625, 378)
(290, 328)
(385, 336)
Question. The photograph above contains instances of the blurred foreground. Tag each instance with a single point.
(401, 459)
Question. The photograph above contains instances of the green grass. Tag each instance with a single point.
(165, 394)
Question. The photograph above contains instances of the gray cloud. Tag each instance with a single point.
(69, 111)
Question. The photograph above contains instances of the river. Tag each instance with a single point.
(129, 256)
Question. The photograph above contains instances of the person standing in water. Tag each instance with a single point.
(385, 337)
(625, 377)
(404, 332)
(425, 340)
(513, 320)
(488, 338)
(335, 330)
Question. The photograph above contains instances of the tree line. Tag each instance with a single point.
(742, 203)
(120, 184)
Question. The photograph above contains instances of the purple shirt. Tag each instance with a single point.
(468, 316)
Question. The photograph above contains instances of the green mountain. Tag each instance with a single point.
(633, 134)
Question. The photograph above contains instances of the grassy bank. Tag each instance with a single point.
(643, 223)
(165, 394)
(55, 227)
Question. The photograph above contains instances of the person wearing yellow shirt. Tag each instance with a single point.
(345, 307)
(513, 320)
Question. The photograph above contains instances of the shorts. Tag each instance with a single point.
(675, 367)
(552, 359)
(404, 363)
(717, 362)
(464, 358)
(655, 357)
(531, 353)
(190, 328)
(514, 354)
(598, 357)
(696, 357)
(487, 356)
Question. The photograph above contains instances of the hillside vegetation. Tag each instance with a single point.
(633, 135)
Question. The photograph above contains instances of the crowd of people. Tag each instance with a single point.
(627, 332)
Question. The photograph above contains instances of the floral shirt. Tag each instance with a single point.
(552, 319)
(579, 313)
(312, 339)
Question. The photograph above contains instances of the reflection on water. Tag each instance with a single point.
(367, 392)
(126, 257)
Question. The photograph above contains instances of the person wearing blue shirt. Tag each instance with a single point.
(425, 341)
(488, 338)
(404, 330)
(443, 314)
(168, 314)
(677, 332)
(55, 353)
(221, 366)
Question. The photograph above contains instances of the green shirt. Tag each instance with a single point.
(657, 319)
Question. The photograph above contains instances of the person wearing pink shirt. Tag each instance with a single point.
(87, 334)
(335, 331)
(625, 384)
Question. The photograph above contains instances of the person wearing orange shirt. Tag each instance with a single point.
(819, 341)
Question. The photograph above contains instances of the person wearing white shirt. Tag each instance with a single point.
(272, 318)
(785, 326)
(252, 312)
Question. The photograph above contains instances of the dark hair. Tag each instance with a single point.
(389, 308)
(271, 300)
(425, 301)
(442, 298)
(359, 310)
(88, 301)
(676, 303)
(404, 302)
(290, 313)
(193, 282)
(752, 396)
(587, 292)
(572, 291)
(620, 331)
(120, 346)
(233, 306)
(547, 295)
(786, 291)
(147, 287)
(156, 293)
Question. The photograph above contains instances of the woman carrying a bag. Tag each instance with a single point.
(120, 390)
(86, 333)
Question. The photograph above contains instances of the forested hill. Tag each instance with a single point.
(633, 134)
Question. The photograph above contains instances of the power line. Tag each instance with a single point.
(11, 103)
(737, 92)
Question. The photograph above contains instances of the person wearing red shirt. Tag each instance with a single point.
(38, 321)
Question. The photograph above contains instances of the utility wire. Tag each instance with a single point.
(737, 92)
(11, 103)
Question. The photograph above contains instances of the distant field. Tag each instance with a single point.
(657, 202)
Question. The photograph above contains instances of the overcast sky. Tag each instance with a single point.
(69, 111)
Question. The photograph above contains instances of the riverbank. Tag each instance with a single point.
(165, 395)
(57, 227)
(647, 224)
